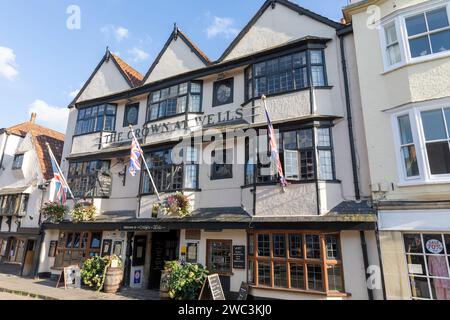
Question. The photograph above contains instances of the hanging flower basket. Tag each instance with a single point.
(177, 204)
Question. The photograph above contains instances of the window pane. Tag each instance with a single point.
(300, 78)
(295, 246)
(318, 76)
(154, 111)
(324, 139)
(171, 108)
(447, 243)
(299, 59)
(191, 176)
(162, 109)
(416, 264)
(391, 34)
(279, 245)
(410, 159)
(394, 54)
(96, 240)
(260, 86)
(156, 96)
(413, 243)
(315, 277)
(219, 256)
(194, 103)
(405, 129)
(76, 240)
(196, 87)
(290, 140)
(312, 246)
(273, 84)
(437, 19)
(307, 165)
(416, 25)
(437, 266)
(305, 139)
(439, 157)
(181, 104)
(326, 165)
(419, 47)
(260, 69)
(280, 275)
(286, 63)
(447, 117)
(286, 81)
(333, 250)
(264, 274)
(164, 94)
(272, 66)
(316, 57)
(440, 288)
(433, 125)
(440, 41)
(291, 162)
(433, 244)
(263, 245)
(297, 276)
(335, 282)
(183, 88)
(419, 287)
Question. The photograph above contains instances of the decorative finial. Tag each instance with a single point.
(108, 54)
(273, 3)
(175, 31)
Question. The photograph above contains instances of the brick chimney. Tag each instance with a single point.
(33, 117)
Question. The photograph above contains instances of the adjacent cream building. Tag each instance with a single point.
(403, 59)
(316, 240)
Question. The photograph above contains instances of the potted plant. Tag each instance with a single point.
(177, 204)
(53, 212)
(184, 280)
(82, 212)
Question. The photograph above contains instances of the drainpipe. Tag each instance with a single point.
(366, 261)
(350, 120)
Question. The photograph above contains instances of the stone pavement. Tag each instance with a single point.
(46, 290)
(9, 297)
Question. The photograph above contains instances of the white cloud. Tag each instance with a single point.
(120, 33)
(74, 93)
(222, 26)
(138, 55)
(49, 116)
(8, 66)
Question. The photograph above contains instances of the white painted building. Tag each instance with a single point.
(313, 241)
(25, 184)
(403, 58)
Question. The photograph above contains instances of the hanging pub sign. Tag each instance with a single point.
(215, 286)
(238, 257)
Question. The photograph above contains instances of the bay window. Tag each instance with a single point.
(298, 157)
(169, 176)
(90, 179)
(287, 73)
(295, 260)
(175, 100)
(424, 143)
(14, 204)
(96, 119)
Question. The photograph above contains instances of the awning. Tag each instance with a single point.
(18, 190)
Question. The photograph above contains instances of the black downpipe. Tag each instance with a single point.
(350, 120)
(128, 254)
(366, 261)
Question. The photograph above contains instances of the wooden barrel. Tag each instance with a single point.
(113, 280)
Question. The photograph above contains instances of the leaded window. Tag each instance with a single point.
(90, 179)
(96, 119)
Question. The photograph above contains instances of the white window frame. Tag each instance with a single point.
(399, 18)
(295, 174)
(425, 176)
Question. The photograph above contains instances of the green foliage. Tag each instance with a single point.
(94, 270)
(175, 204)
(53, 212)
(185, 280)
(81, 212)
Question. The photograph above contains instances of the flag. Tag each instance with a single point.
(136, 154)
(274, 148)
(61, 188)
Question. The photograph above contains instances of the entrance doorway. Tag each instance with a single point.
(29, 258)
(164, 248)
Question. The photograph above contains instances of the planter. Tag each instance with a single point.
(113, 280)
(164, 285)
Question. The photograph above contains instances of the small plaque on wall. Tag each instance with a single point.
(193, 235)
(238, 257)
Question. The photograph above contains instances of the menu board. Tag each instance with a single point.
(215, 286)
(239, 257)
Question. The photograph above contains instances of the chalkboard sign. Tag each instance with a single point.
(239, 257)
(71, 276)
(213, 281)
(243, 291)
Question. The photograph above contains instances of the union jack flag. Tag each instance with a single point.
(61, 188)
(274, 149)
(136, 154)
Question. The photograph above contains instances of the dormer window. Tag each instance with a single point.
(18, 162)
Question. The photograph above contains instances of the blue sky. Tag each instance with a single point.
(43, 63)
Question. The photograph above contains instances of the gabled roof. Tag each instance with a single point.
(41, 136)
(131, 76)
(273, 3)
(177, 33)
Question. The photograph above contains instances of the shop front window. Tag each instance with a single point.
(219, 256)
(296, 261)
(427, 258)
(75, 247)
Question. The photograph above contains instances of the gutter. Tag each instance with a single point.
(350, 120)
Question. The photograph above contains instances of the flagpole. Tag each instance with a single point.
(60, 171)
(146, 167)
